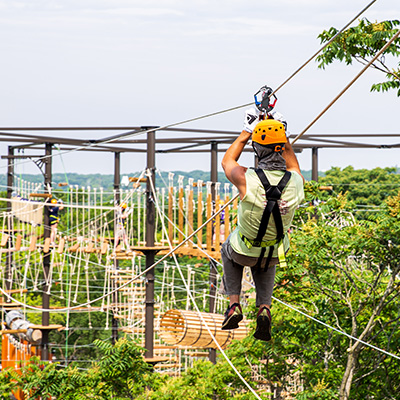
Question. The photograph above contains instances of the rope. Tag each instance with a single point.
(144, 131)
(130, 280)
(171, 252)
(347, 87)
(301, 312)
(335, 329)
(189, 292)
(326, 44)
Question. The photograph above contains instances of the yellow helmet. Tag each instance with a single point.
(269, 131)
(124, 205)
(53, 201)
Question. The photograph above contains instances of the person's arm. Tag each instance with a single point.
(233, 171)
(291, 160)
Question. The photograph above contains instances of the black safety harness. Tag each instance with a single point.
(272, 194)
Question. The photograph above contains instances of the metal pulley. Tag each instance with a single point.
(265, 100)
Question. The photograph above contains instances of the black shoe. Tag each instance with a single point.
(263, 329)
(233, 315)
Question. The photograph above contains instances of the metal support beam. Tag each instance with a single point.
(117, 199)
(150, 254)
(10, 182)
(314, 168)
(214, 179)
(47, 160)
(214, 168)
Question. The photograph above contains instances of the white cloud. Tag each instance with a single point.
(251, 27)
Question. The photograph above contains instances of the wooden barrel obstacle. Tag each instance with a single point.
(186, 329)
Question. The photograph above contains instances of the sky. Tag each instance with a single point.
(153, 62)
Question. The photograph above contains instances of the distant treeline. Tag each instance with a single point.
(106, 181)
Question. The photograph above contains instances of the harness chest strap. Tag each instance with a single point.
(272, 194)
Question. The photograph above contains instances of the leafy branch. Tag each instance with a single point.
(361, 43)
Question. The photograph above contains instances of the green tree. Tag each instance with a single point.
(343, 272)
(121, 374)
(361, 43)
(363, 186)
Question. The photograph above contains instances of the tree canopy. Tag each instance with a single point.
(364, 187)
(361, 43)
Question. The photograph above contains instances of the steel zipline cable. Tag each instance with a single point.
(144, 130)
(189, 292)
(288, 305)
(347, 87)
(59, 310)
(186, 239)
(233, 198)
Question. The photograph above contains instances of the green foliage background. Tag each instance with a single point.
(341, 263)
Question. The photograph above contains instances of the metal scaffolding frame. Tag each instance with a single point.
(194, 141)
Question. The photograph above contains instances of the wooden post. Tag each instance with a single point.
(18, 242)
(208, 216)
(190, 211)
(180, 209)
(217, 244)
(200, 212)
(170, 208)
(226, 215)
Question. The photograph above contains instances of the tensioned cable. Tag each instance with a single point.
(189, 292)
(130, 280)
(65, 205)
(337, 330)
(331, 327)
(347, 87)
(143, 131)
(107, 208)
(306, 315)
(163, 258)
(326, 44)
(168, 254)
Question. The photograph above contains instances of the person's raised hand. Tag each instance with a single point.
(251, 119)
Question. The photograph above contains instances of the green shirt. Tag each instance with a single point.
(252, 206)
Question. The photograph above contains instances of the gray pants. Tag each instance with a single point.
(233, 273)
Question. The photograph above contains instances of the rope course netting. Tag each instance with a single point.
(83, 277)
(97, 265)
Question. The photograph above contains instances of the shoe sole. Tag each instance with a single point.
(232, 322)
(263, 329)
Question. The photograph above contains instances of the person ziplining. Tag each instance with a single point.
(269, 196)
(54, 208)
(121, 218)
